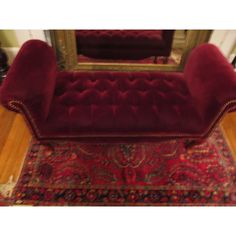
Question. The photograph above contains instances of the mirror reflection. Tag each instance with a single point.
(130, 46)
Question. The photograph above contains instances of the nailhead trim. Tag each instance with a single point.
(210, 129)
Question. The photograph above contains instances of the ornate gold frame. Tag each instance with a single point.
(64, 43)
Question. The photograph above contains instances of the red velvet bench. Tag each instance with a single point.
(124, 44)
(119, 106)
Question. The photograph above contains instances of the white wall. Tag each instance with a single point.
(22, 36)
(225, 40)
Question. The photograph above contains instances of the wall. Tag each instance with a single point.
(13, 39)
(24, 35)
(8, 38)
(225, 40)
(9, 43)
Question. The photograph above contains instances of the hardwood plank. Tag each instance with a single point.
(22, 151)
(228, 126)
(14, 150)
(6, 119)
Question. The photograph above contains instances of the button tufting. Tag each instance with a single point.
(112, 79)
(73, 79)
(101, 90)
(160, 94)
(154, 107)
(114, 109)
(70, 109)
(59, 92)
(93, 80)
(144, 92)
(121, 99)
(80, 90)
(103, 94)
(134, 108)
(176, 109)
(123, 93)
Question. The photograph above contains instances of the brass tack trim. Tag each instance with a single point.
(209, 130)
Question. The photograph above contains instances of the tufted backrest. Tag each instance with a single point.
(104, 38)
(124, 44)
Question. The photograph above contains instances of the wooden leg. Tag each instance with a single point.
(165, 60)
(234, 62)
(190, 143)
(155, 60)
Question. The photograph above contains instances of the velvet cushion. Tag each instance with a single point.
(128, 103)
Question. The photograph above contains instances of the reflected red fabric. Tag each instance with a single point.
(124, 44)
(119, 106)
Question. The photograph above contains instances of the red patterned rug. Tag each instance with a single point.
(72, 173)
(3, 201)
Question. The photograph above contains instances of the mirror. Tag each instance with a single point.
(144, 50)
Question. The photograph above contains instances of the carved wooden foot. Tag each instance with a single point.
(155, 60)
(165, 60)
(190, 143)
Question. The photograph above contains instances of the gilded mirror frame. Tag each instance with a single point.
(64, 43)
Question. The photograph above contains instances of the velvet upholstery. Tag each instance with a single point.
(124, 44)
(35, 70)
(119, 106)
(210, 95)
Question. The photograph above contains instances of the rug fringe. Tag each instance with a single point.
(6, 189)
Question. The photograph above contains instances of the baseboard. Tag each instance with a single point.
(11, 53)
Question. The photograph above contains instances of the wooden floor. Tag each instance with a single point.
(15, 139)
(14, 142)
(228, 126)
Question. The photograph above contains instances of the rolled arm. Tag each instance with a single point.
(31, 79)
(210, 78)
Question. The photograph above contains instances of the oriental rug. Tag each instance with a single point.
(66, 173)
